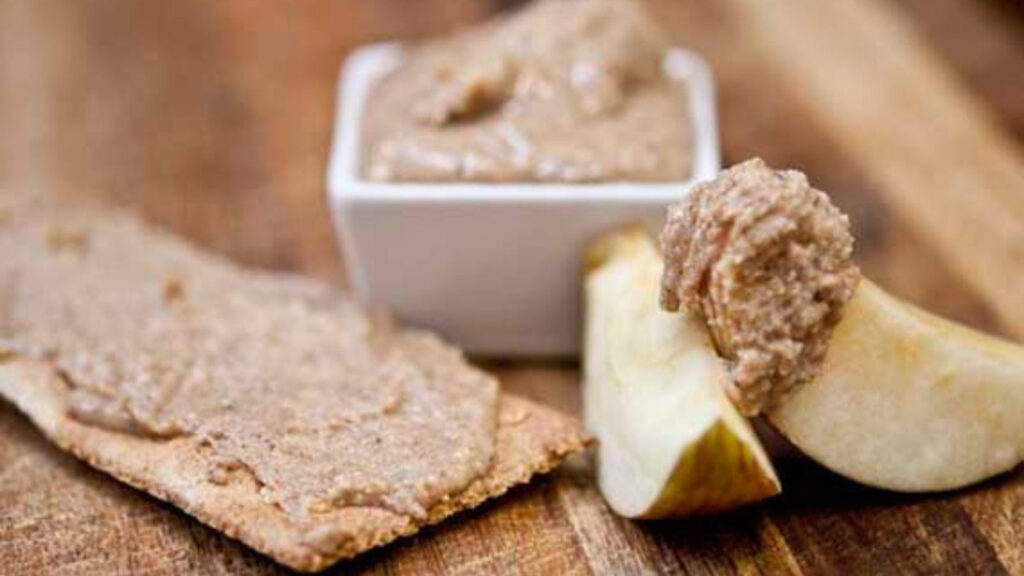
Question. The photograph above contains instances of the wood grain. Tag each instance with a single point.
(213, 119)
(896, 109)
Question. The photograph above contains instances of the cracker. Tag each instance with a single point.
(530, 440)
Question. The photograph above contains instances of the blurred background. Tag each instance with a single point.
(214, 118)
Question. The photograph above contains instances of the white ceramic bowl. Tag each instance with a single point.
(494, 268)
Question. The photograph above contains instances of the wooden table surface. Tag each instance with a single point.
(213, 119)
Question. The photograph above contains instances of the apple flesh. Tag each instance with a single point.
(671, 443)
(908, 401)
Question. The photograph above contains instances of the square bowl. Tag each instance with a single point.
(494, 268)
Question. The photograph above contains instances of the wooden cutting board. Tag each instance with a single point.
(213, 119)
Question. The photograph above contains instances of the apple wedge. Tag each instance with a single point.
(909, 401)
(867, 385)
(671, 443)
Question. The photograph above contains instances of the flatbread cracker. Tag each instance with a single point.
(530, 439)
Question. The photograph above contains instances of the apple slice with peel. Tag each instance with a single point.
(909, 401)
(671, 443)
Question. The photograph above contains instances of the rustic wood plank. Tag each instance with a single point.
(997, 509)
(60, 516)
(899, 112)
(992, 61)
(835, 525)
(778, 126)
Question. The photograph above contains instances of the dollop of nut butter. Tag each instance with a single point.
(564, 90)
(767, 260)
(275, 380)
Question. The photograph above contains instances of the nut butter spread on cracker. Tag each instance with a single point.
(268, 406)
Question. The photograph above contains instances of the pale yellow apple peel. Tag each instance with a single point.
(905, 401)
(654, 394)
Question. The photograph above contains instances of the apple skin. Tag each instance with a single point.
(908, 401)
(905, 401)
(671, 443)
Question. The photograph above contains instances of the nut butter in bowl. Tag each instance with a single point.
(564, 91)
(469, 172)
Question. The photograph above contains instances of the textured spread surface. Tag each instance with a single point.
(276, 379)
(563, 91)
(767, 261)
(530, 440)
(270, 408)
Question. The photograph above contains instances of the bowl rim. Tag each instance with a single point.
(369, 62)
